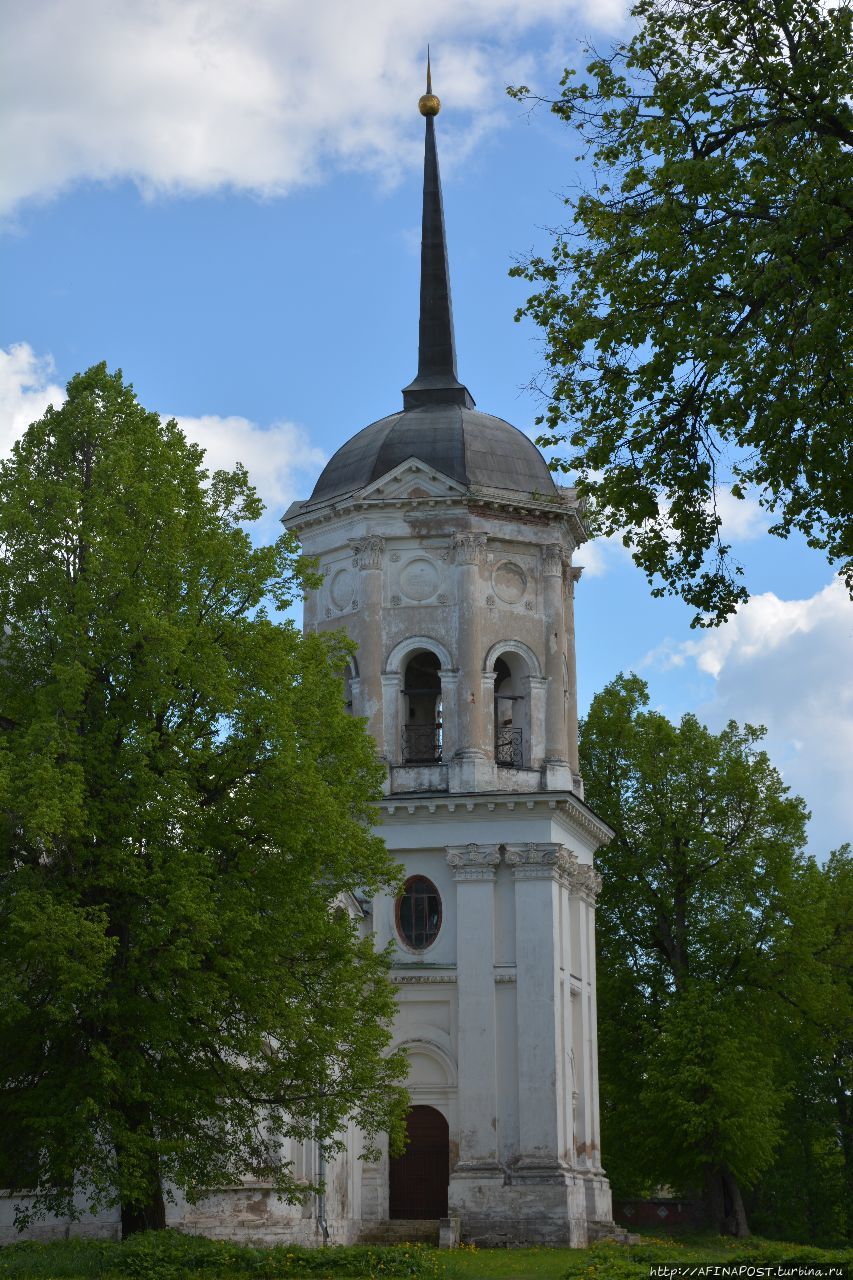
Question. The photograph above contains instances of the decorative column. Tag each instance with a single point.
(556, 773)
(585, 885)
(538, 694)
(471, 770)
(572, 578)
(473, 868)
(368, 558)
(541, 1086)
(544, 1092)
(449, 684)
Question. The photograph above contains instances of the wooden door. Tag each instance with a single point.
(418, 1179)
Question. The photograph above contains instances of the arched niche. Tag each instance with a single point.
(432, 1068)
(512, 709)
(350, 678)
(415, 678)
(503, 647)
(397, 657)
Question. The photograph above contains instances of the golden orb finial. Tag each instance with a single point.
(428, 103)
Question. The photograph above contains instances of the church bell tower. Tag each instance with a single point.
(448, 557)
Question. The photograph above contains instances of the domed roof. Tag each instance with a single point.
(438, 422)
(471, 447)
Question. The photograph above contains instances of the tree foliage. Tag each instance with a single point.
(696, 311)
(185, 819)
(807, 1192)
(709, 933)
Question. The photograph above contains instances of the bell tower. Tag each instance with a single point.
(448, 557)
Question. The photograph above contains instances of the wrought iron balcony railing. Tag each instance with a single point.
(509, 748)
(421, 743)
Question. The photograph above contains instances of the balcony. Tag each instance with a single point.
(421, 744)
(509, 748)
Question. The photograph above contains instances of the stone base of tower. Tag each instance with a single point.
(545, 1206)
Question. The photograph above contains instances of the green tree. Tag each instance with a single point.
(807, 1192)
(700, 928)
(696, 310)
(184, 808)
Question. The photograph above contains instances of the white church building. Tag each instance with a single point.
(447, 553)
(448, 556)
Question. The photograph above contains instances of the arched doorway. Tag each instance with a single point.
(422, 709)
(418, 1178)
(512, 711)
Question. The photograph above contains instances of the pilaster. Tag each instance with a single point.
(572, 578)
(541, 1069)
(473, 867)
(556, 772)
(585, 884)
(368, 556)
(470, 769)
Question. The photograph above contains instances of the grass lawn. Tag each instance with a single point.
(170, 1256)
(631, 1262)
(510, 1264)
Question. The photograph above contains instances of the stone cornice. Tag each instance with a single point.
(542, 509)
(569, 806)
(406, 979)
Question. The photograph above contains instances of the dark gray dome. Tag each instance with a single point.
(471, 447)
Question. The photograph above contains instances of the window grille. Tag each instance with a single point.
(509, 748)
(419, 913)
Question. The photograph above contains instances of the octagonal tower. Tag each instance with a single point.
(447, 554)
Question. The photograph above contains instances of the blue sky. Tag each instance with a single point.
(224, 201)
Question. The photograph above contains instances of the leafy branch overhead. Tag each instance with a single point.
(696, 310)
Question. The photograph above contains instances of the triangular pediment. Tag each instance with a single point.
(413, 479)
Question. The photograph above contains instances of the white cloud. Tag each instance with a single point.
(743, 519)
(788, 664)
(187, 96)
(25, 391)
(280, 458)
(600, 555)
(281, 461)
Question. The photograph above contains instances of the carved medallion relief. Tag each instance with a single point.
(509, 582)
(419, 580)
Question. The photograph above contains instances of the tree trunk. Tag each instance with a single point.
(148, 1212)
(149, 1217)
(724, 1203)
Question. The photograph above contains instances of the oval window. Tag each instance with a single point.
(419, 913)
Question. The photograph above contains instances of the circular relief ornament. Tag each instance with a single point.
(419, 580)
(341, 588)
(509, 581)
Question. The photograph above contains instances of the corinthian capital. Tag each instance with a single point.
(369, 552)
(585, 882)
(473, 861)
(552, 560)
(470, 548)
(540, 861)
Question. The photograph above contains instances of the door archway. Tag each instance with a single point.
(418, 1178)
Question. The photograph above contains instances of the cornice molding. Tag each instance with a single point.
(569, 806)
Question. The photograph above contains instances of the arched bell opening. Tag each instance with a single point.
(419, 1178)
(512, 711)
(422, 711)
(350, 677)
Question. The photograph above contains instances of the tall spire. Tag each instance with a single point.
(436, 381)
